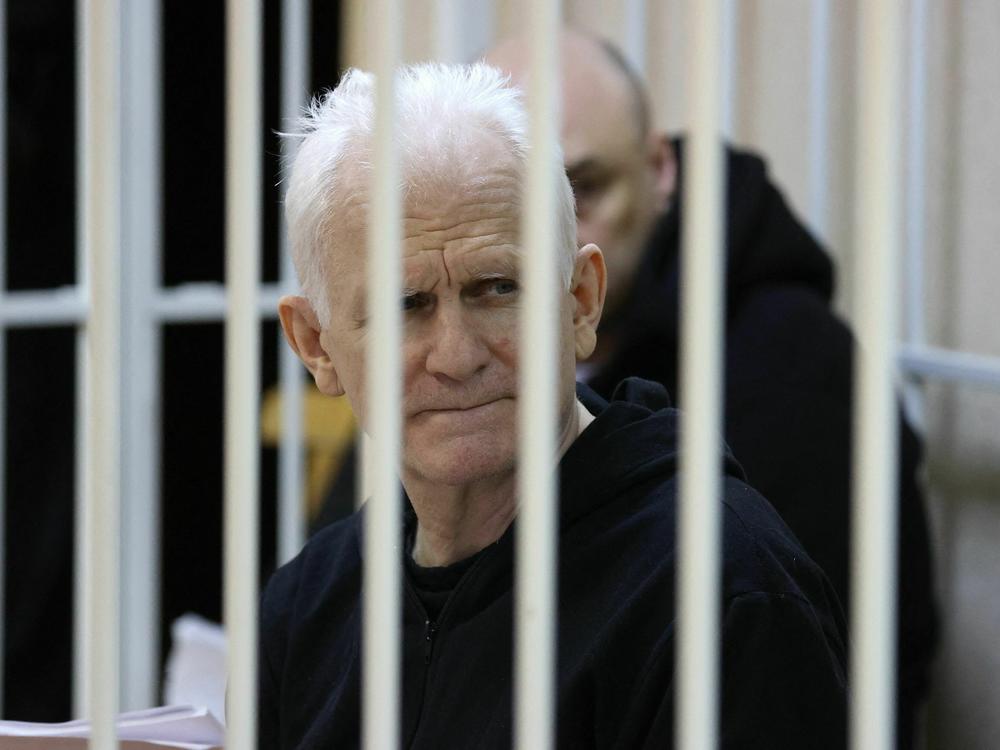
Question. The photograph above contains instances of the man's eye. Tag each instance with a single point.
(501, 287)
(504, 286)
(413, 301)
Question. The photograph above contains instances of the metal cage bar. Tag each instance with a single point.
(242, 357)
(294, 95)
(100, 141)
(383, 523)
(141, 234)
(700, 389)
(875, 445)
(3, 352)
(535, 582)
(916, 196)
(819, 116)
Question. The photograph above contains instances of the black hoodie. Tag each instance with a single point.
(788, 376)
(783, 653)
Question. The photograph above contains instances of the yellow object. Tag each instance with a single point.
(329, 428)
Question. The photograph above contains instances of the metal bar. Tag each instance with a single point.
(101, 139)
(243, 212)
(635, 25)
(81, 649)
(3, 350)
(447, 31)
(927, 362)
(188, 303)
(382, 576)
(916, 196)
(203, 302)
(729, 45)
(140, 600)
(700, 389)
(819, 116)
(65, 306)
(875, 445)
(537, 539)
(294, 95)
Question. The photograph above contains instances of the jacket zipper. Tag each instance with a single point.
(430, 628)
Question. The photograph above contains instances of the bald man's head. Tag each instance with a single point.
(622, 170)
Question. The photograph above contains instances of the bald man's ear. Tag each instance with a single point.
(302, 332)
(588, 288)
(663, 162)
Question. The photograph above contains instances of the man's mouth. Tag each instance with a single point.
(462, 408)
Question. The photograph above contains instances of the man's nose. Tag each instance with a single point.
(457, 350)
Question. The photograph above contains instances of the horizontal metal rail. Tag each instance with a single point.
(206, 302)
(932, 363)
(187, 303)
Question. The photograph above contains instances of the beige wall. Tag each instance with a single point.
(961, 224)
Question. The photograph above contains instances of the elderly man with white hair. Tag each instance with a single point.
(461, 135)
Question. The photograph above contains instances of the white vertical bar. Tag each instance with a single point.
(447, 31)
(140, 600)
(3, 349)
(294, 95)
(819, 116)
(635, 25)
(243, 211)
(916, 194)
(81, 643)
(700, 388)
(101, 236)
(535, 589)
(730, 27)
(875, 448)
(382, 576)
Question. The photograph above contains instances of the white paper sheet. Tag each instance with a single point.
(184, 727)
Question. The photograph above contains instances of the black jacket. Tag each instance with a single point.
(788, 392)
(783, 653)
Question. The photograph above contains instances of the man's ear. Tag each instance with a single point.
(662, 160)
(302, 332)
(588, 288)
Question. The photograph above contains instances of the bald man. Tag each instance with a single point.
(788, 363)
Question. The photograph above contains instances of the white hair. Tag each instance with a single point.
(440, 111)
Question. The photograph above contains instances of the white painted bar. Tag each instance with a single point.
(3, 351)
(916, 197)
(81, 651)
(294, 96)
(700, 389)
(878, 233)
(81, 643)
(635, 26)
(197, 302)
(200, 302)
(45, 308)
(730, 25)
(381, 666)
(538, 511)
(141, 234)
(929, 362)
(101, 141)
(447, 30)
(244, 146)
(819, 117)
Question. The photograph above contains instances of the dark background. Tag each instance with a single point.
(40, 479)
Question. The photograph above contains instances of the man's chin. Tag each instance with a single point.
(459, 468)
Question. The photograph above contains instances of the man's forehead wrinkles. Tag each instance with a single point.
(447, 228)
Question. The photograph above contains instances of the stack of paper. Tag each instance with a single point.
(151, 729)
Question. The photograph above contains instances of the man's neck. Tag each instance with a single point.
(454, 523)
